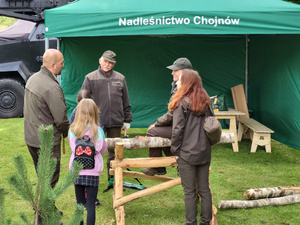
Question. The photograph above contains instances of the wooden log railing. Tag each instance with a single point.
(120, 163)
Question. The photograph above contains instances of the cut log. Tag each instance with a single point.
(246, 204)
(226, 137)
(139, 142)
(271, 192)
(155, 142)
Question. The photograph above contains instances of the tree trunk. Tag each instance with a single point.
(245, 204)
(271, 192)
(155, 142)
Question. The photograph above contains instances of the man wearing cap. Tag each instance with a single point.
(163, 125)
(109, 91)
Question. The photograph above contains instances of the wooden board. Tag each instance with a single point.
(255, 125)
(239, 100)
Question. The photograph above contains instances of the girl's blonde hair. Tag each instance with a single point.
(86, 117)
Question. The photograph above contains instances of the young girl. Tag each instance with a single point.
(190, 143)
(87, 123)
(81, 95)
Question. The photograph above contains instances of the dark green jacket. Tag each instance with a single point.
(44, 103)
(167, 118)
(111, 95)
(189, 140)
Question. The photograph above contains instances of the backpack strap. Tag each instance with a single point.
(86, 138)
(211, 111)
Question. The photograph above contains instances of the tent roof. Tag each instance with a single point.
(157, 17)
(20, 30)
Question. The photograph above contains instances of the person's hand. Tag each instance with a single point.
(151, 126)
(126, 126)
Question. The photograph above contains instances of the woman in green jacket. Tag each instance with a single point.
(190, 143)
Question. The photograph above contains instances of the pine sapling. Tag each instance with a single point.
(43, 200)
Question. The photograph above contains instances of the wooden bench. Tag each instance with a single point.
(259, 134)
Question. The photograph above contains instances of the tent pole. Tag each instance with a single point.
(246, 67)
(58, 44)
(58, 48)
(46, 44)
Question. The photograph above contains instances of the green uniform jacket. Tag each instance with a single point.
(167, 118)
(189, 139)
(44, 103)
(111, 95)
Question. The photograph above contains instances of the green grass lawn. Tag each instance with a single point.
(232, 173)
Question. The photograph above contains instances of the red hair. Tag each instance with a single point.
(191, 86)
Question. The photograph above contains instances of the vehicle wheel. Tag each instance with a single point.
(11, 98)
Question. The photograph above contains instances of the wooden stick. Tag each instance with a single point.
(118, 181)
(144, 162)
(118, 185)
(119, 151)
(121, 201)
(120, 215)
(134, 174)
(64, 146)
(214, 220)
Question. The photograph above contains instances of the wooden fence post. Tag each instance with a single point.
(118, 184)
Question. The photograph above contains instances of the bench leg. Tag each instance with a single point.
(232, 128)
(268, 146)
(262, 140)
(251, 135)
(255, 139)
(241, 129)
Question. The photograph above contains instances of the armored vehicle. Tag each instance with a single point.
(21, 48)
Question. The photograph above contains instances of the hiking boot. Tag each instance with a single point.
(154, 171)
(97, 202)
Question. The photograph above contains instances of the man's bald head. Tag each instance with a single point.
(53, 60)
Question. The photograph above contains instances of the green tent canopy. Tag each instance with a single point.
(156, 17)
(256, 43)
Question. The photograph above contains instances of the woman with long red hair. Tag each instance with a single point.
(190, 143)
